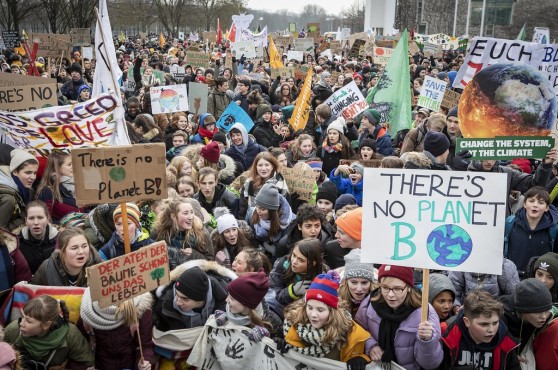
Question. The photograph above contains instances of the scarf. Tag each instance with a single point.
(238, 319)
(40, 347)
(151, 134)
(23, 191)
(206, 134)
(313, 339)
(193, 318)
(99, 318)
(68, 183)
(391, 319)
(335, 148)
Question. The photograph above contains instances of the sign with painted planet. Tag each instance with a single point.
(439, 220)
(169, 99)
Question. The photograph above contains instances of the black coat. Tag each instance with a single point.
(247, 158)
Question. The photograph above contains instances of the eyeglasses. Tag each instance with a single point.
(397, 290)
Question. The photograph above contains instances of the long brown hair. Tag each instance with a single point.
(45, 309)
(274, 222)
(295, 146)
(220, 243)
(61, 245)
(52, 175)
(256, 179)
(311, 249)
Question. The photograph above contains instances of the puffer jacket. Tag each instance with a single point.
(37, 251)
(248, 193)
(176, 257)
(59, 209)
(345, 186)
(246, 154)
(12, 206)
(52, 272)
(115, 246)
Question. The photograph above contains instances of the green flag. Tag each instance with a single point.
(392, 94)
(522, 34)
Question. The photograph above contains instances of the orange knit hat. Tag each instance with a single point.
(351, 223)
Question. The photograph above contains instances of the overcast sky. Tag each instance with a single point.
(332, 6)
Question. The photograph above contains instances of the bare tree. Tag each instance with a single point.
(80, 13)
(12, 12)
(171, 13)
(55, 15)
(313, 13)
(354, 16)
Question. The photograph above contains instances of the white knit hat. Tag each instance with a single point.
(338, 125)
(224, 219)
(18, 157)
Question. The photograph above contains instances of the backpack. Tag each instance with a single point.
(552, 233)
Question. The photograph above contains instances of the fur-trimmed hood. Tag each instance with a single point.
(52, 232)
(227, 168)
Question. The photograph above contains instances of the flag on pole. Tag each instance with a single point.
(232, 33)
(302, 108)
(274, 56)
(219, 32)
(392, 95)
(162, 40)
(522, 34)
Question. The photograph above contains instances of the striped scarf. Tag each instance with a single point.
(313, 339)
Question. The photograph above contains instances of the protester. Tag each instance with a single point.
(357, 283)
(251, 260)
(243, 148)
(229, 239)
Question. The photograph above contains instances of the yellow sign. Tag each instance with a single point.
(274, 56)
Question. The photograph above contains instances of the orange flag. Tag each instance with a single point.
(161, 40)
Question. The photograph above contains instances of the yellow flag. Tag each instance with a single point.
(122, 37)
(302, 108)
(274, 56)
(161, 40)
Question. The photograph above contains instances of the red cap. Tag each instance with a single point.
(211, 152)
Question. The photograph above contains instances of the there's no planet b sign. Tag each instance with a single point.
(440, 220)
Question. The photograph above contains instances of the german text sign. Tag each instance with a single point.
(300, 180)
(439, 220)
(120, 173)
(130, 275)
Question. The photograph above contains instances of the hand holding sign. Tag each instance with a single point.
(551, 156)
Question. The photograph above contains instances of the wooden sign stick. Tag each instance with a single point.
(126, 236)
(425, 283)
(138, 331)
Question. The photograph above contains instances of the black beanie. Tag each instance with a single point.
(193, 283)
(327, 191)
(532, 296)
(453, 112)
(369, 142)
(220, 137)
(436, 143)
(344, 200)
(548, 262)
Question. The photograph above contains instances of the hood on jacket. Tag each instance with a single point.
(484, 347)
(548, 219)
(240, 127)
(6, 178)
(52, 232)
(202, 119)
(437, 284)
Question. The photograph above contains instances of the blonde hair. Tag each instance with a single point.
(413, 298)
(178, 162)
(344, 292)
(52, 176)
(337, 327)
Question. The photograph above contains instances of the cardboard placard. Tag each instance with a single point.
(198, 91)
(356, 36)
(386, 43)
(245, 48)
(413, 48)
(451, 99)
(52, 45)
(355, 49)
(300, 181)
(313, 30)
(197, 59)
(382, 55)
(28, 97)
(11, 39)
(210, 36)
(306, 45)
(284, 72)
(336, 47)
(80, 36)
(119, 173)
(432, 93)
(284, 41)
(12, 79)
(130, 275)
(300, 73)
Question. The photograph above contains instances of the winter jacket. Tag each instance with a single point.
(248, 193)
(354, 347)
(13, 266)
(52, 272)
(217, 102)
(176, 257)
(11, 203)
(198, 138)
(118, 348)
(434, 164)
(245, 154)
(522, 243)
(59, 209)
(414, 140)
(166, 317)
(546, 355)
(115, 246)
(223, 197)
(70, 89)
(261, 229)
(301, 158)
(36, 251)
(518, 180)
(383, 141)
(265, 135)
(496, 285)
(345, 186)
(293, 235)
(74, 347)
(330, 161)
(334, 255)
(457, 339)
(243, 99)
(412, 352)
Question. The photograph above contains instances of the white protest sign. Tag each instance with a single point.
(432, 93)
(169, 99)
(486, 51)
(327, 53)
(245, 48)
(541, 35)
(181, 36)
(347, 101)
(296, 55)
(242, 21)
(345, 33)
(439, 220)
(258, 39)
(382, 55)
(306, 45)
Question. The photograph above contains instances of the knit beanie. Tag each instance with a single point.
(268, 197)
(18, 157)
(315, 164)
(343, 200)
(531, 296)
(548, 262)
(324, 75)
(276, 108)
(249, 289)
(356, 269)
(327, 191)
(225, 222)
(262, 108)
(84, 87)
(211, 152)
(351, 223)
(442, 76)
(193, 283)
(220, 137)
(439, 283)
(400, 272)
(453, 112)
(368, 142)
(324, 289)
(287, 111)
(356, 75)
(338, 125)
(132, 211)
(358, 168)
(373, 116)
(436, 143)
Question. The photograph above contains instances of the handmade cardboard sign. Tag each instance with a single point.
(451, 99)
(130, 275)
(197, 59)
(284, 72)
(28, 97)
(434, 219)
(80, 36)
(52, 45)
(382, 55)
(12, 79)
(119, 173)
(300, 180)
(11, 39)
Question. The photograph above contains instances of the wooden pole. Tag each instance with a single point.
(425, 283)
(125, 234)
(138, 331)
(61, 59)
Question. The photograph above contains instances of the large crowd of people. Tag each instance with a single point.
(245, 249)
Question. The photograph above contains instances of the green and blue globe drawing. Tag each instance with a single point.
(449, 245)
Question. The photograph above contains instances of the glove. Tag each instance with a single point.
(357, 363)
(281, 345)
(257, 333)
(301, 287)
(220, 317)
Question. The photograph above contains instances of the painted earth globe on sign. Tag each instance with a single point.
(449, 245)
(169, 100)
(507, 99)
